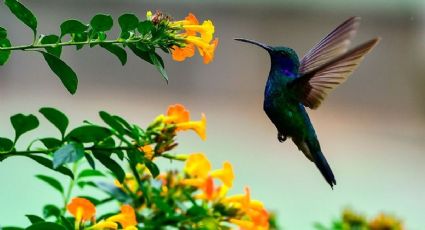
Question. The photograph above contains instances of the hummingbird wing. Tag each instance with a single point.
(334, 44)
(312, 87)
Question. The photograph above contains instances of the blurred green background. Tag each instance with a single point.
(372, 128)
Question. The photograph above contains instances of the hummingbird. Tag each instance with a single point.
(294, 84)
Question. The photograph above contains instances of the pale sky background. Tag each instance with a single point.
(372, 128)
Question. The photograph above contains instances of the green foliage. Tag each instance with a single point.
(46, 225)
(23, 123)
(142, 37)
(63, 71)
(24, 14)
(52, 182)
(69, 153)
(4, 54)
(34, 219)
(56, 117)
(51, 39)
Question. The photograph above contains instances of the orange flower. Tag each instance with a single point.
(225, 174)
(127, 217)
(176, 114)
(82, 209)
(198, 126)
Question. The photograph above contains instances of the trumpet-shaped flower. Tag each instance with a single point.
(198, 126)
(82, 209)
(225, 174)
(197, 165)
(127, 217)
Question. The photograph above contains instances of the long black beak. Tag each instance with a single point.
(264, 46)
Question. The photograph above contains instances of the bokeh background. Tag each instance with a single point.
(372, 128)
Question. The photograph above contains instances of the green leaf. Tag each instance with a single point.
(51, 142)
(34, 219)
(117, 51)
(63, 71)
(3, 33)
(52, 39)
(83, 184)
(6, 145)
(56, 117)
(145, 27)
(23, 14)
(4, 54)
(90, 160)
(153, 168)
(91, 199)
(101, 22)
(114, 191)
(23, 124)
(69, 153)
(51, 210)
(112, 122)
(49, 164)
(12, 228)
(89, 173)
(140, 53)
(128, 22)
(51, 181)
(72, 26)
(66, 223)
(80, 37)
(159, 64)
(46, 225)
(110, 164)
(88, 134)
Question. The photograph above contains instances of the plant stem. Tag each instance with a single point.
(70, 43)
(70, 187)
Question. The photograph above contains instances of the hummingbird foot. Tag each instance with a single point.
(281, 137)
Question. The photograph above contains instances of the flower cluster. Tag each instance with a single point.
(351, 220)
(194, 35)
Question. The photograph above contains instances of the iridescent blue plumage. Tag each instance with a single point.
(293, 84)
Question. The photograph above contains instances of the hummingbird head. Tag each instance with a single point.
(282, 58)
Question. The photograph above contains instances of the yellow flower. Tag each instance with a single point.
(225, 174)
(127, 217)
(82, 209)
(385, 222)
(206, 30)
(129, 183)
(148, 151)
(198, 126)
(102, 225)
(197, 165)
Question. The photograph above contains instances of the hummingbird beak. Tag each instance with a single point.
(264, 46)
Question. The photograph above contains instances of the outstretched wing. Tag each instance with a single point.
(312, 87)
(334, 44)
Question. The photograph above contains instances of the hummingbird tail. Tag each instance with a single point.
(311, 149)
